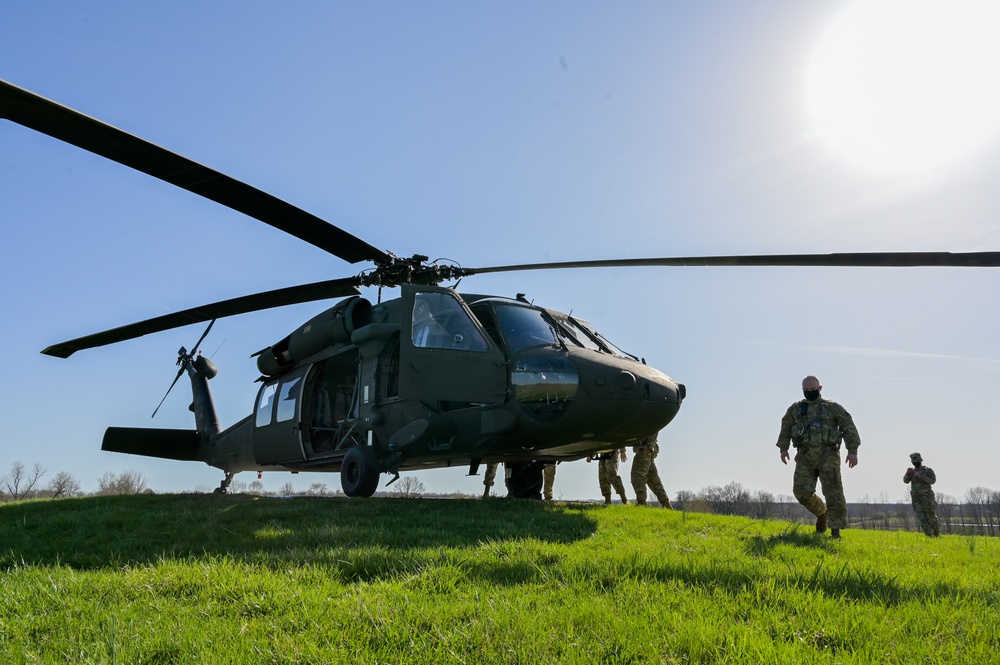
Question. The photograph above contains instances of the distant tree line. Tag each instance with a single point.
(22, 482)
(977, 513)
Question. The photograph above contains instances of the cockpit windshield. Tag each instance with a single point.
(524, 327)
(604, 341)
(577, 333)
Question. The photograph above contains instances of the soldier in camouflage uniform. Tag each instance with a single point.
(607, 474)
(816, 426)
(548, 478)
(644, 472)
(920, 478)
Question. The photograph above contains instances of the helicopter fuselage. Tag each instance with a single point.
(431, 379)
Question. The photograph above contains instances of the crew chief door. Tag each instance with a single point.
(445, 355)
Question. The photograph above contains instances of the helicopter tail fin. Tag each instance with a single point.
(178, 444)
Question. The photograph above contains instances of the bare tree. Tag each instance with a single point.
(409, 487)
(681, 499)
(762, 505)
(19, 483)
(287, 489)
(733, 499)
(63, 485)
(946, 510)
(977, 501)
(256, 487)
(126, 482)
(318, 489)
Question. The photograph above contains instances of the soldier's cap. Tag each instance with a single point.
(916, 456)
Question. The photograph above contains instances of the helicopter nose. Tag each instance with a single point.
(635, 400)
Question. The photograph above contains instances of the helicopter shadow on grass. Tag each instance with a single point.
(356, 539)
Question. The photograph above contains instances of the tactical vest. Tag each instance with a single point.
(817, 429)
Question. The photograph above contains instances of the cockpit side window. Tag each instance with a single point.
(440, 322)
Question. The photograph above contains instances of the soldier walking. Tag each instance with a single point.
(644, 472)
(607, 474)
(920, 478)
(816, 427)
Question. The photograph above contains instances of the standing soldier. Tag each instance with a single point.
(920, 478)
(548, 478)
(607, 474)
(644, 472)
(816, 426)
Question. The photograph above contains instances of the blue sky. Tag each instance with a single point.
(494, 133)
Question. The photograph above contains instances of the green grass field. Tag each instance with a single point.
(240, 579)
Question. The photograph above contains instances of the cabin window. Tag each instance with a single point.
(265, 405)
(440, 322)
(289, 399)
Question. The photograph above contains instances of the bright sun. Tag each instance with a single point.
(908, 84)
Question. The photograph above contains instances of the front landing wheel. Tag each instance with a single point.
(359, 471)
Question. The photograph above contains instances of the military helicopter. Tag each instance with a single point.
(433, 378)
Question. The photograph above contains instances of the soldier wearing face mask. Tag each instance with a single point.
(816, 427)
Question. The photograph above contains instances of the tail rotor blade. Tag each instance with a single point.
(179, 372)
(203, 336)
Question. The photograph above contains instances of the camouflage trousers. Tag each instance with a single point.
(548, 478)
(489, 477)
(925, 506)
(644, 473)
(821, 463)
(607, 477)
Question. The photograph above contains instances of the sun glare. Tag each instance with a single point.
(900, 85)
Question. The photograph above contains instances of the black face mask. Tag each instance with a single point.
(811, 395)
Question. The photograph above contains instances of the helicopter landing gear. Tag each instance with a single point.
(359, 471)
(221, 489)
(524, 480)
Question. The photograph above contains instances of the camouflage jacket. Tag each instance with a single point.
(649, 443)
(819, 423)
(922, 478)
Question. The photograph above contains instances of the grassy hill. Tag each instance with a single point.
(240, 579)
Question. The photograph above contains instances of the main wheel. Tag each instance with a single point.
(359, 471)
(524, 480)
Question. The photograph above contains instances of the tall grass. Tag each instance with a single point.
(237, 579)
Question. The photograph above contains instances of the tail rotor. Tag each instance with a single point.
(184, 358)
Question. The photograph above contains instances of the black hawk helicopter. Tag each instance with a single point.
(430, 379)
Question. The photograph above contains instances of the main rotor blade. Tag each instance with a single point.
(334, 288)
(869, 259)
(45, 116)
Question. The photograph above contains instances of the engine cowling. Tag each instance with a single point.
(334, 326)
